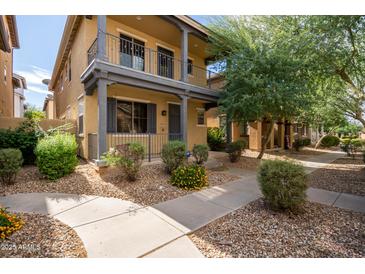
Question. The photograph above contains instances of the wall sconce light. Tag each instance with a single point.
(163, 113)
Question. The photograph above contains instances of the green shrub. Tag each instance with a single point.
(283, 183)
(9, 223)
(235, 149)
(306, 141)
(24, 137)
(330, 141)
(298, 144)
(173, 155)
(216, 138)
(200, 153)
(129, 157)
(189, 177)
(56, 155)
(11, 161)
(34, 113)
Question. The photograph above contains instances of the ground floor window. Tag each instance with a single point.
(201, 116)
(124, 116)
(81, 115)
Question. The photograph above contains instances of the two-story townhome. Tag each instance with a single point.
(8, 41)
(133, 79)
(19, 85)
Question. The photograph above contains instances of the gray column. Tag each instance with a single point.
(101, 42)
(184, 118)
(102, 101)
(184, 55)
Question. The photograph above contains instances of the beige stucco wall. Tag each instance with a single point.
(6, 87)
(197, 134)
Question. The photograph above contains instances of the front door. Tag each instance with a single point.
(174, 122)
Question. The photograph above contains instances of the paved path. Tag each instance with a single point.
(115, 228)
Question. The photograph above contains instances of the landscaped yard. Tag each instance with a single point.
(43, 237)
(152, 187)
(343, 175)
(256, 231)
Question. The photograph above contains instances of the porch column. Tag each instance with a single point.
(101, 41)
(102, 101)
(184, 118)
(184, 55)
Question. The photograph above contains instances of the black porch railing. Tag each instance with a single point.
(126, 53)
(152, 143)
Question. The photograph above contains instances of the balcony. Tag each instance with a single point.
(135, 56)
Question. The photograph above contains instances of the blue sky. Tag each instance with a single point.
(40, 37)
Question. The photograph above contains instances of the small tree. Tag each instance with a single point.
(263, 80)
(33, 113)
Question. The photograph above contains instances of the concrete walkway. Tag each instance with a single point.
(115, 228)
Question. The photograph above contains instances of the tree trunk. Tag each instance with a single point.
(320, 139)
(266, 140)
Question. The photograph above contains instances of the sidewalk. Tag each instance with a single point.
(112, 227)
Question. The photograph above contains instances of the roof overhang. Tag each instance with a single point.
(13, 29)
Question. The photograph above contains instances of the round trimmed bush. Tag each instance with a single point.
(56, 155)
(283, 184)
(11, 160)
(235, 149)
(200, 153)
(330, 141)
(189, 177)
(173, 155)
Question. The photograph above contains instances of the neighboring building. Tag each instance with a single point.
(8, 41)
(122, 79)
(19, 84)
(48, 107)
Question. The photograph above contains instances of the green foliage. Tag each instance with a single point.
(306, 141)
(283, 184)
(189, 177)
(56, 155)
(200, 153)
(10, 163)
(173, 155)
(33, 113)
(25, 138)
(349, 129)
(330, 141)
(129, 157)
(235, 149)
(216, 138)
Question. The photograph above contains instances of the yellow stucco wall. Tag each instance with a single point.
(6, 85)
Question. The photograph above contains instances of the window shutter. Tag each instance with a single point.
(151, 118)
(111, 115)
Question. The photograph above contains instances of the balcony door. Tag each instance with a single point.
(165, 62)
(132, 52)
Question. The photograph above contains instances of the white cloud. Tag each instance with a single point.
(35, 75)
(37, 89)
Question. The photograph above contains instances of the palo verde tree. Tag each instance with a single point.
(263, 79)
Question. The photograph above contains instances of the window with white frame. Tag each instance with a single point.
(201, 116)
(81, 115)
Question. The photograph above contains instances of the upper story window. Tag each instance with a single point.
(69, 69)
(132, 52)
(190, 66)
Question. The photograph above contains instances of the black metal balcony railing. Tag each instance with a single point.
(134, 55)
(152, 143)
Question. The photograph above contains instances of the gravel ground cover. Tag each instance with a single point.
(152, 187)
(42, 237)
(256, 231)
(343, 175)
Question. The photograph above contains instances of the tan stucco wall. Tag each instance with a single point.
(197, 134)
(6, 87)
(50, 114)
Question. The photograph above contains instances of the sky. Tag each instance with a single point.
(40, 37)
